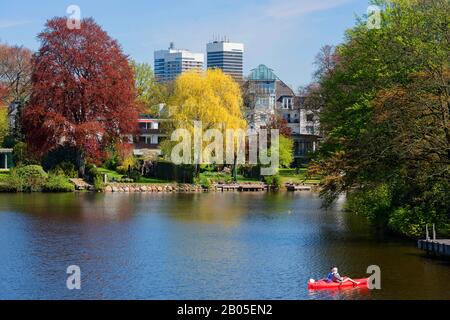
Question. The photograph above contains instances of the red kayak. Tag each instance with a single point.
(322, 284)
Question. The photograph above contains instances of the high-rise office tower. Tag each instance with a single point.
(172, 62)
(227, 56)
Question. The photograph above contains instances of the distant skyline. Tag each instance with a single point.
(285, 35)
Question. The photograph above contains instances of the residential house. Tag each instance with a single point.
(265, 95)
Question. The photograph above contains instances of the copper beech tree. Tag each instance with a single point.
(82, 95)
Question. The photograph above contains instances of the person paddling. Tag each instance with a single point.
(334, 276)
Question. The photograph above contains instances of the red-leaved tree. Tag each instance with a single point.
(3, 93)
(83, 92)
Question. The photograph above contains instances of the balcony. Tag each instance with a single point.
(143, 145)
(149, 131)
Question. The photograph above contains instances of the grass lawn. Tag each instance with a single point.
(143, 180)
(111, 174)
(287, 176)
(245, 180)
(291, 176)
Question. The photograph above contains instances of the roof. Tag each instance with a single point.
(283, 90)
(262, 73)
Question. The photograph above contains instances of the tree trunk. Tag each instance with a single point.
(234, 171)
(197, 170)
(81, 164)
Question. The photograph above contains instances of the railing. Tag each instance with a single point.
(428, 234)
(149, 131)
(143, 145)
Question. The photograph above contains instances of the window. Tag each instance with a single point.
(287, 103)
(309, 117)
(310, 129)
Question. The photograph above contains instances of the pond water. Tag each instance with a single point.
(199, 246)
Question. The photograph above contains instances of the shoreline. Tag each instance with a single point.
(186, 187)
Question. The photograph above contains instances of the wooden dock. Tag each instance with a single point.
(227, 187)
(241, 187)
(436, 247)
(252, 187)
(298, 187)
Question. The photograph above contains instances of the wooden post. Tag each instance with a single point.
(434, 233)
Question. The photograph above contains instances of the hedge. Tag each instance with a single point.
(165, 170)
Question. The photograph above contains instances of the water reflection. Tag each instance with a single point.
(198, 246)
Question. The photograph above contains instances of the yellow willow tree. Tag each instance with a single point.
(212, 99)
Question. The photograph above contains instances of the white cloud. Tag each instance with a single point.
(293, 8)
(11, 23)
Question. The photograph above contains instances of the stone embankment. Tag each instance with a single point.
(166, 188)
(133, 188)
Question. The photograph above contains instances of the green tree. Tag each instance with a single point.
(3, 124)
(385, 115)
(149, 92)
(286, 151)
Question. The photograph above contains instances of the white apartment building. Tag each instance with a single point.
(172, 62)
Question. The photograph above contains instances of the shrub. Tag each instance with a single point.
(273, 181)
(58, 183)
(111, 163)
(124, 180)
(28, 178)
(6, 183)
(250, 171)
(98, 184)
(21, 156)
(217, 177)
(92, 173)
(127, 165)
(65, 169)
(165, 170)
(374, 203)
(134, 175)
(63, 154)
(204, 181)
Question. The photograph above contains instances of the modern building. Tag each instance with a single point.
(172, 62)
(227, 56)
(265, 96)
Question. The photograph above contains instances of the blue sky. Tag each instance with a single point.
(283, 34)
